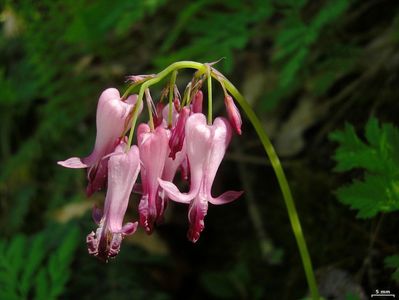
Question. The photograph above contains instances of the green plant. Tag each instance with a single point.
(377, 157)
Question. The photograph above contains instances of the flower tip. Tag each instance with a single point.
(233, 114)
(129, 228)
(72, 163)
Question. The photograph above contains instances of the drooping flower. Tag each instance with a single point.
(177, 138)
(123, 169)
(196, 106)
(233, 114)
(111, 121)
(205, 147)
(153, 146)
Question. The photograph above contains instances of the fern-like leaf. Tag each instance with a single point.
(377, 156)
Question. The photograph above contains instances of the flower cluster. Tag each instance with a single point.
(178, 136)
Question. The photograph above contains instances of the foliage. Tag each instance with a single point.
(378, 192)
(234, 23)
(33, 268)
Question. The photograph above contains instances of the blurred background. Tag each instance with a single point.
(322, 76)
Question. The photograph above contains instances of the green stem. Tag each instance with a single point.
(149, 106)
(161, 75)
(171, 94)
(282, 180)
(135, 116)
(209, 81)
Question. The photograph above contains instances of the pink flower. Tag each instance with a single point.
(233, 113)
(123, 169)
(205, 146)
(153, 148)
(111, 120)
(177, 137)
(196, 105)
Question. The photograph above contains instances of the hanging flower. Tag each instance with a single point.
(177, 138)
(123, 169)
(205, 147)
(111, 121)
(153, 146)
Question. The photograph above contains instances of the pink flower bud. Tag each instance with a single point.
(233, 114)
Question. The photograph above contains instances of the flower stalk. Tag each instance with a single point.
(283, 183)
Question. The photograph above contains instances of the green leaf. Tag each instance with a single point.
(377, 156)
(37, 252)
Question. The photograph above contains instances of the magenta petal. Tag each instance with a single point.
(73, 163)
(129, 228)
(226, 197)
(97, 177)
(196, 215)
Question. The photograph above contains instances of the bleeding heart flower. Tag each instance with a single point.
(205, 147)
(123, 169)
(153, 146)
(233, 113)
(177, 137)
(196, 105)
(111, 120)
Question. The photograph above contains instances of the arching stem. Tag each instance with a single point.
(282, 180)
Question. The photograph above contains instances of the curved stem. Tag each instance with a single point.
(158, 77)
(282, 180)
(209, 81)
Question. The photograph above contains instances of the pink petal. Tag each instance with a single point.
(196, 215)
(153, 151)
(73, 163)
(198, 143)
(97, 177)
(226, 197)
(129, 228)
(123, 171)
(173, 192)
(178, 133)
(221, 136)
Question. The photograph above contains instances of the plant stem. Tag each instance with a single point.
(171, 94)
(209, 81)
(285, 189)
(173, 67)
(149, 107)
